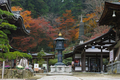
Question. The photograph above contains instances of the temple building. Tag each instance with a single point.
(111, 17)
(89, 55)
(46, 58)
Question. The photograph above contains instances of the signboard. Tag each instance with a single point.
(45, 65)
(93, 47)
(111, 55)
(36, 67)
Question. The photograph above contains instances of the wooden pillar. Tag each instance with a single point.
(73, 59)
(84, 60)
(117, 33)
(96, 63)
(101, 63)
(47, 66)
(88, 65)
(101, 59)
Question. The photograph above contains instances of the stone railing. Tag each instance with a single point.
(16, 73)
(114, 67)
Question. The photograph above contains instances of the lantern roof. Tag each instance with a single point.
(60, 37)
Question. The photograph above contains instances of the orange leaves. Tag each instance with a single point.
(16, 8)
(77, 33)
(89, 16)
(64, 14)
(90, 22)
(68, 11)
(67, 26)
(25, 14)
(41, 32)
(50, 44)
(26, 17)
(67, 14)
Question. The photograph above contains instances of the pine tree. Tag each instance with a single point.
(5, 28)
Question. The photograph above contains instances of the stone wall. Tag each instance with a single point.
(16, 73)
(114, 67)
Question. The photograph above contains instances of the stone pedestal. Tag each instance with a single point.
(61, 69)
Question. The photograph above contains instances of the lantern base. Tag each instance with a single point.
(59, 64)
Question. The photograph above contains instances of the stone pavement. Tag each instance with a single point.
(75, 78)
(98, 78)
(59, 78)
(11, 79)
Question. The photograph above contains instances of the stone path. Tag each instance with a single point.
(98, 78)
(59, 78)
(75, 78)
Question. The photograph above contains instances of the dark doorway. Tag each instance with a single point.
(94, 65)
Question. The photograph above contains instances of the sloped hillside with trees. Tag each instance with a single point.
(46, 18)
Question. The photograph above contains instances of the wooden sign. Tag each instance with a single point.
(111, 55)
(36, 67)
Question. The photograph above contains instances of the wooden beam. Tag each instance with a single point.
(97, 53)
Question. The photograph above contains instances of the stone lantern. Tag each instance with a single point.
(60, 47)
(59, 67)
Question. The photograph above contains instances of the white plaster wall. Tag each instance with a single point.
(78, 68)
(77, 55)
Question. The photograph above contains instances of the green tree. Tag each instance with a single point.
(40, 57)
(37, 7)
(5, 28)
(41, 7)
(77, 8)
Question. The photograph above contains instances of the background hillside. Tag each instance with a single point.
(46, 18)
(42, 7)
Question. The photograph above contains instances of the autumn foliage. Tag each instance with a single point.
(67, 26)
(42, 33)
(25, 14)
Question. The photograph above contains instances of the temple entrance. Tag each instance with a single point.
(94, 65)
